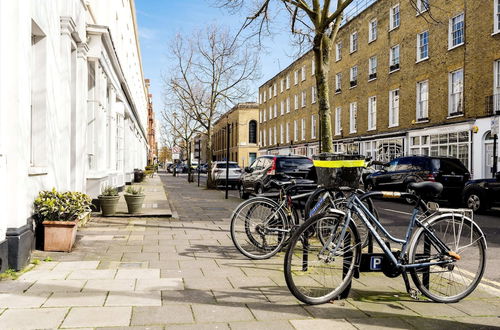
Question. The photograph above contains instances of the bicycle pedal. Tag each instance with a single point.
(415, 294)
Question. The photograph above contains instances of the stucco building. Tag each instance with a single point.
(404, 79)
(73, 106)
(243, 128)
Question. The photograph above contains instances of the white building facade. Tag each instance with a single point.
(73, 106)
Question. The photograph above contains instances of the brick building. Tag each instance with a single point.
(152, 143)
(404, 79)
(243, 128)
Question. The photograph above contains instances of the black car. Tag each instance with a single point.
(400, 172)
(481, 194)
(280, 168)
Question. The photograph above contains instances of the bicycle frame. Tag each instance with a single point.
(355, 204)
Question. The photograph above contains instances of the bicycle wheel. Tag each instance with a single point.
(448, 282)
(259, 228)
(316, 273)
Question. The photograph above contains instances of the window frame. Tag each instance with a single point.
(420, 4)
(419, 101)
(296, 77)
(353, 44)
(313, 126)
(372, 74)
(394, 108)
(392, 15)
(303, 124)
(303, 99)
(420, 46)
(353, 116)
(351, 76)
(496, 16)
(313, 94)
(393, 65)
(372, 30)
(338, 51)
(338, 120)
(372, 113)
(451, 44)
(451, 94)
(296, 102)
(338, 82)
(303, 73)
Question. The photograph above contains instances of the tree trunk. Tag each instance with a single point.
(321, 49)
(210, 181)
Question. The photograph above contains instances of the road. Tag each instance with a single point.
(395, 215)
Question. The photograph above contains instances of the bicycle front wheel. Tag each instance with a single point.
(317, 272)
(259, 228)
(453, 281)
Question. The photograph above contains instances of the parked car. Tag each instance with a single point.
(203, 168)
(280, 168)
(181, 168)
(482, 194)
(219, 173)
(400, 172)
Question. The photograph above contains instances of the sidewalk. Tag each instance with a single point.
(184, 273)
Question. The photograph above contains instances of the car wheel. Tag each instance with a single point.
(243, 194)
(260, 190)
(410, 191)
(474, 201)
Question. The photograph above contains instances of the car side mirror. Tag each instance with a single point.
(248, 169)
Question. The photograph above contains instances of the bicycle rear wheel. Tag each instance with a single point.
(316, 273)
(454, 281)
(259, 228)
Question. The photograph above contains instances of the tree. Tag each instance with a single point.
(313, 22)
(210, 74)
(165, 155)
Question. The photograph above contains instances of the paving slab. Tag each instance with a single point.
(20, 286)
(320, 324)
(266, 311)
(199, 326)
(92, 274)
(135, 298)
(74, 265)
(73, 299)
(35, 275)
(138, 274)
(221, 313)
(57, 286)
(23, 300)
(159, 284)
(162, 315)
(98, 317)
(126, 285)
(267, 325)
(44, 318)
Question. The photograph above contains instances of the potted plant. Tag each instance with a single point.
(134, 198)
(59, 213)
(108, 200)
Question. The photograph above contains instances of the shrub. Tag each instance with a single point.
(109, 191)
(133, 190)
(57, 206)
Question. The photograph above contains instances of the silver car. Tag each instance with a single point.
(219, 173)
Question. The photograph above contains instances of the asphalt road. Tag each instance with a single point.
(395, 215)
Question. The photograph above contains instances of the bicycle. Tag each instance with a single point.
(261, 226)
(444, 250)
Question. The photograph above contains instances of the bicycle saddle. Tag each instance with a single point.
(426, 188)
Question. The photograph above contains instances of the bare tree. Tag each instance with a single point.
(211, 72)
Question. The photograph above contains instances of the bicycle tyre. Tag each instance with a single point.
(452, 282)
(249, 232)
(303, 277)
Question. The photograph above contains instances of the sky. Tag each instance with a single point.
(160, 20)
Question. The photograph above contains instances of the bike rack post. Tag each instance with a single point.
(305, 253)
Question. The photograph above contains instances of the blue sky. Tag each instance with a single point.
(160, 20)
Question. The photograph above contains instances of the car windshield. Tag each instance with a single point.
(448, 166)
(294, 163)
(223, 165)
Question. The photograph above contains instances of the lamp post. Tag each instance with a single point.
(175, 142)
(227, 160)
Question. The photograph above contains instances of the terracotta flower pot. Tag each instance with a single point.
(134, 203)
(108, 205)
(59, 235)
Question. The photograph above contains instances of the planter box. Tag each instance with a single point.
(59, 235)
(134, 203)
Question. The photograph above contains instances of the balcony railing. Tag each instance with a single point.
(493, 104)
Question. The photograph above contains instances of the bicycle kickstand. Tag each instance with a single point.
(414, 293)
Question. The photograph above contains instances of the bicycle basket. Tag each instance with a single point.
(339, 170)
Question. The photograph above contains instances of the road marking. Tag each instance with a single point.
(400, 212)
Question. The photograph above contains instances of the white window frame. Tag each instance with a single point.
(496, 16)
(353, 76)
(265, 96)
(282, 107)
(422, 106)
(372, 68)
(393, 59)
(372, 30)
(303, 129)
(270, 92)
(451, 32)
(270, 112)
(394, 17)
(338, 120)
(270, 136)
(275, 89)
(288, 104)
(287, 132)
(264, 139)
(456, 94)
(338, 82)
(313, 126)
(338, 51)
(296, 77)
(282, 134)
(260, 116)
(275, 110)
(303, 98)
(313, 67)
(275, 135)
(287, 81)
(421, 46)
(282, 85)
(394, 107)
(496, 86)
(372, 113)
(313, 94)
(264, 112)
(353, 116)
(422, 6)
(303, 73)
(295, 130)
(296, 102)
(353, 44)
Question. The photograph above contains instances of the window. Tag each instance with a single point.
(423, 46)
(287, 81)
(338, 120)
(296, 102)
(275, 135)
(295, 130)
(313, 126)
(282, 134)
(456, 35)
(354, 42)
(372, 113)
(275, 89)
(422, 6)
(264, 112)
(264, 140)
(260, 116)
(275, 110)
(394, 58)
(372, 30)
(270, 112)
(354, 76)
(394, 108)
(353, 115)
(120, 146)
(282, 108)
(296, 77)
(496, 87)
(372, 68)
(288, 105)
(260, 98)
(252, 131)
(456, 86)
(282, 85)
(303, 75)
(265, 96)
(496, 18)
(338, 82)
(303, 129)
(287, 132)
(338, 51)
(270, 136)
(394, 17)
(303, 99)
(270, 92)
(313, 67)
(313, 94)
(422, 100)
